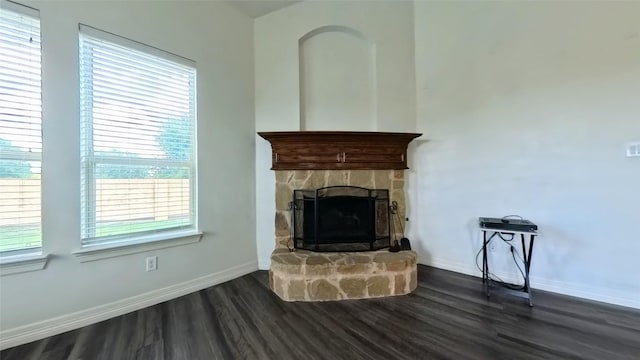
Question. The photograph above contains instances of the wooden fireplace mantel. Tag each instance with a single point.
(338, 150)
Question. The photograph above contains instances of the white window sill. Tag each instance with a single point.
(22, 263)
(134, 246)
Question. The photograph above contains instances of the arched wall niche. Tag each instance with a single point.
(337, 80)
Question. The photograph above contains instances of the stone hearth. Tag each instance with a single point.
(311, 276)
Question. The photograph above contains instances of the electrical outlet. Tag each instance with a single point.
(633, 149)
(152, 263)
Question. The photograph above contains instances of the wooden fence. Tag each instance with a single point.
(116, 199)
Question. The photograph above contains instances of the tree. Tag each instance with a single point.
(175, 140)
(13, 168)
(121, 171)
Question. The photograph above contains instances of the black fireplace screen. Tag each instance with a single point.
(341, 218)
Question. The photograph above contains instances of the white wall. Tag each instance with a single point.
(527, 108)
(337, 81)
(387, 25)
(220, 40)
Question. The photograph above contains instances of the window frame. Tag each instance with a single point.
(12, 261)
(97, 247)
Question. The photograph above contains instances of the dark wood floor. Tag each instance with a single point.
(447, 317)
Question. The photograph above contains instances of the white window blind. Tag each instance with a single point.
(138, 139)
(20, 129)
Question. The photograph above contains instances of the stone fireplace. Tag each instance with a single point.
(293, 180)
(304, 275)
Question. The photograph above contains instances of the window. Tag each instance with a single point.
(137, 141)
(20, 129)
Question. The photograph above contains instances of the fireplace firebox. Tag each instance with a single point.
(341, 218)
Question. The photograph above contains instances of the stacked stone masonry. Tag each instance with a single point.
(287, 181)
(311, 276)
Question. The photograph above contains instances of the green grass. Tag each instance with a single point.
(31, 235)
(114, 229)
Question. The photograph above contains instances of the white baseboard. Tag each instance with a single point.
(560, 287)
(42, 329)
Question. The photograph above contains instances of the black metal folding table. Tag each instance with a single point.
(488, 234)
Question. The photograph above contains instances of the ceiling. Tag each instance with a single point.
(257, 8)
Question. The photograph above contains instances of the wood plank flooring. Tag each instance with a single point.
(447, 317)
